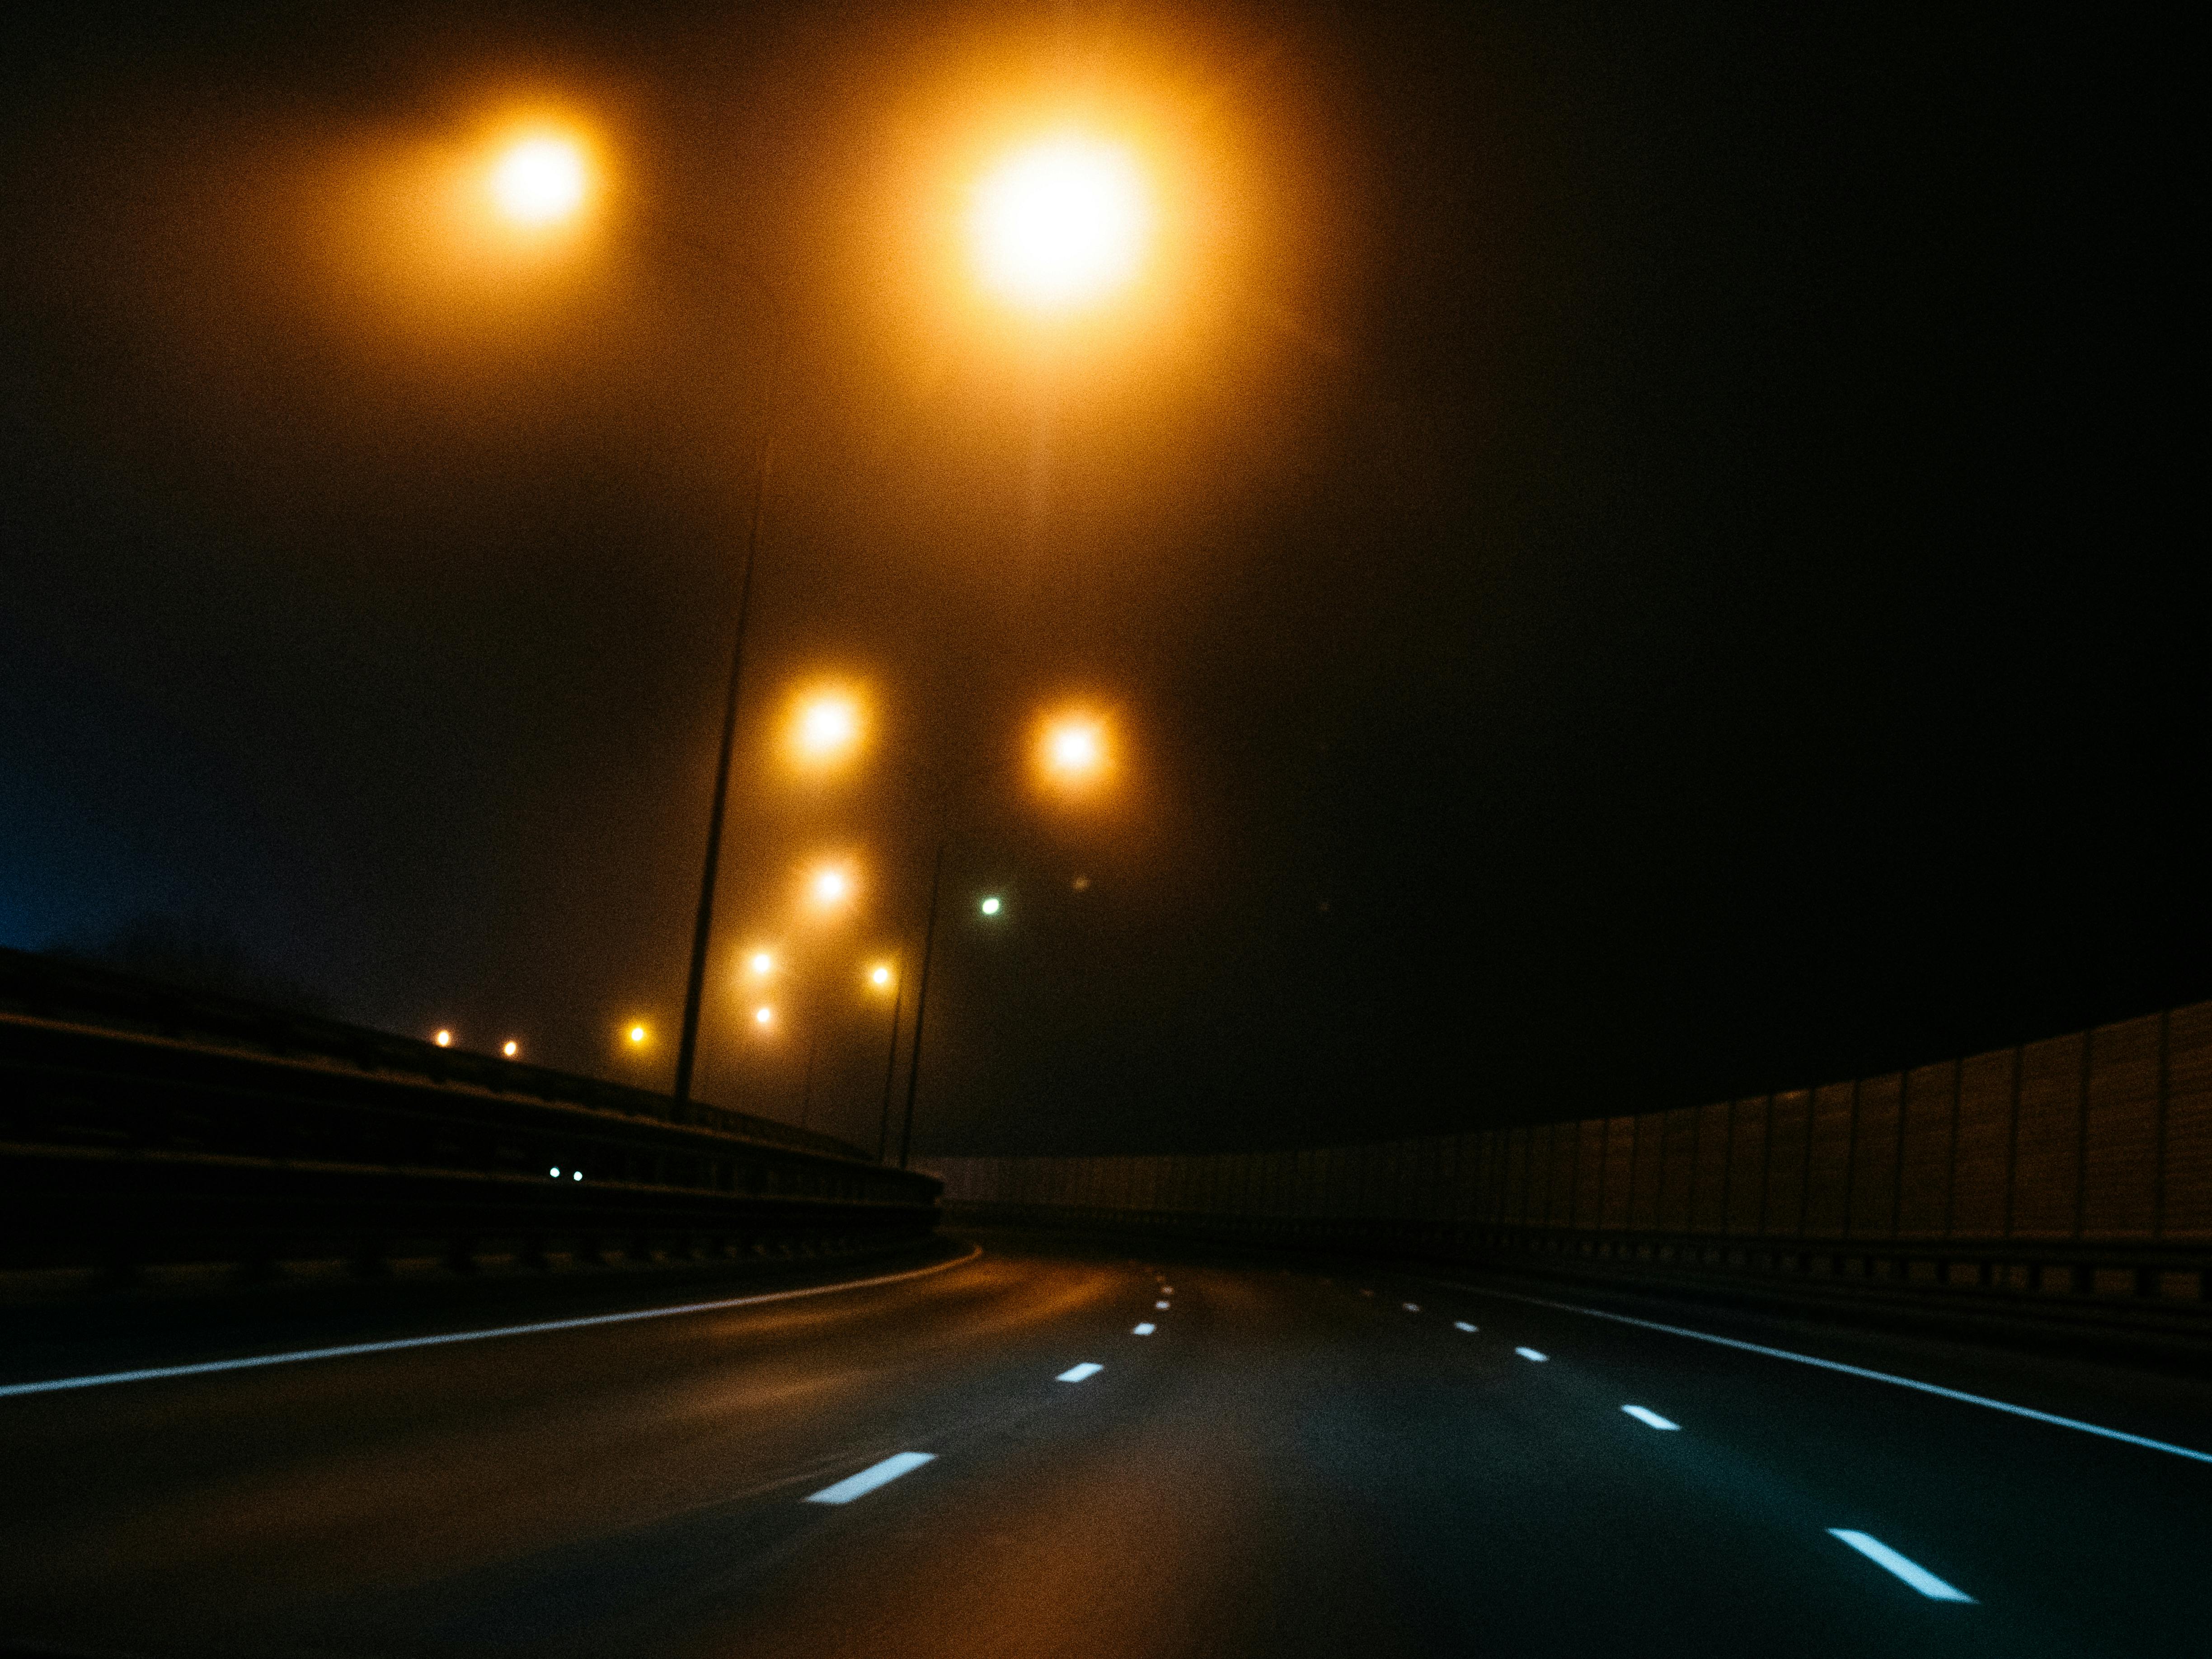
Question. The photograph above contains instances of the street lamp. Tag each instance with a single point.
(540, 179)
(1060, 223)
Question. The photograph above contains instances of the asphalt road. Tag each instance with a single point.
(1290, 1462)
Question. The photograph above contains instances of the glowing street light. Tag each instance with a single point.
(763, 1016)
(879, 976)
(990, 906)
(637, 1036)
(1060, 223)
(761, 961)
(830, 888)
(540, 180)
(510, 1048)
(827, 724)
(1073, 749)
(444, 1039)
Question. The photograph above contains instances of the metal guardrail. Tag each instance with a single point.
(2152, 1291)
(141, 1125)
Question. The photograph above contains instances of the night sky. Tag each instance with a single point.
(1633, 558)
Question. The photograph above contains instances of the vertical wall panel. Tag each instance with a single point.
(1559, 1162)
(2047, 1151)
(1619, 1173)
(1828, 1161)
(2120, 1173)
(1678, 1168)
(1588, 1200)
(1981, 1164)
(1709, 1200)
(1746, 1176)
(1874, 1156)
(2185, 1198)
(1789, 1118)
(1923, 1194)
(1649, 1164)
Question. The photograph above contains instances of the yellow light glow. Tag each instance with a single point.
(830, 886)
(879, 976)
(1074, 749)
(826, 726)
(637, 1034)
(1061, 223)
(762, 962)
(510, 1049)
(444, 1039)
(540, 180)
(764, 1015)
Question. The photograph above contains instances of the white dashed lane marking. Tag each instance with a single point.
(1079, 1373)
(1911, 1572)
(876, 1474)
(1461, 1325)
(1145, 1329)
(1530, 1354)
(1648, 1418)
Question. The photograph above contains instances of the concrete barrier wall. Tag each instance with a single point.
(2101, 1136)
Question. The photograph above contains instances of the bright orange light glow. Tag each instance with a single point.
(827, 725)
(763, 1016)
(1061, 223)
(879, 976)
(1074, 749)
(637, 1034)
(510, 1049)
(540, 179)
(444, 1039)
(831, 886)
(760, 962)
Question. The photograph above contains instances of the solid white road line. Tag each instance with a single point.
(1651, 1418)
(1145, 1329)
(300, 1355)
(1959, 1395)
(1911, 1572)
(1461, 1325)
(1078, 1373)
(854, 1485)
(1530, 1354)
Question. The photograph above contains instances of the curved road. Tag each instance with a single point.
(1036, 1451)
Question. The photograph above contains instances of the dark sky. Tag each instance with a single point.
(1634, 558)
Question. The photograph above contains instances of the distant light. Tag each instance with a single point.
(1081, 884)
(555, 1172)
(990, 907)
(444, 1039)
(879, 974)
(579, 1175)
(764, 1015)
(637, 1034)
(1074, 749)
(830, 886)
(762, 962)
(1060, 223)
(540, 180)
(510, 1049)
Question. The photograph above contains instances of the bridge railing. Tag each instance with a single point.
(142, 1126)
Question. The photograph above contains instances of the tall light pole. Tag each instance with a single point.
(921, 1004)
(702, 927)
(891, 1070)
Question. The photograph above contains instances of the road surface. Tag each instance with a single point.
(1042, 1452)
